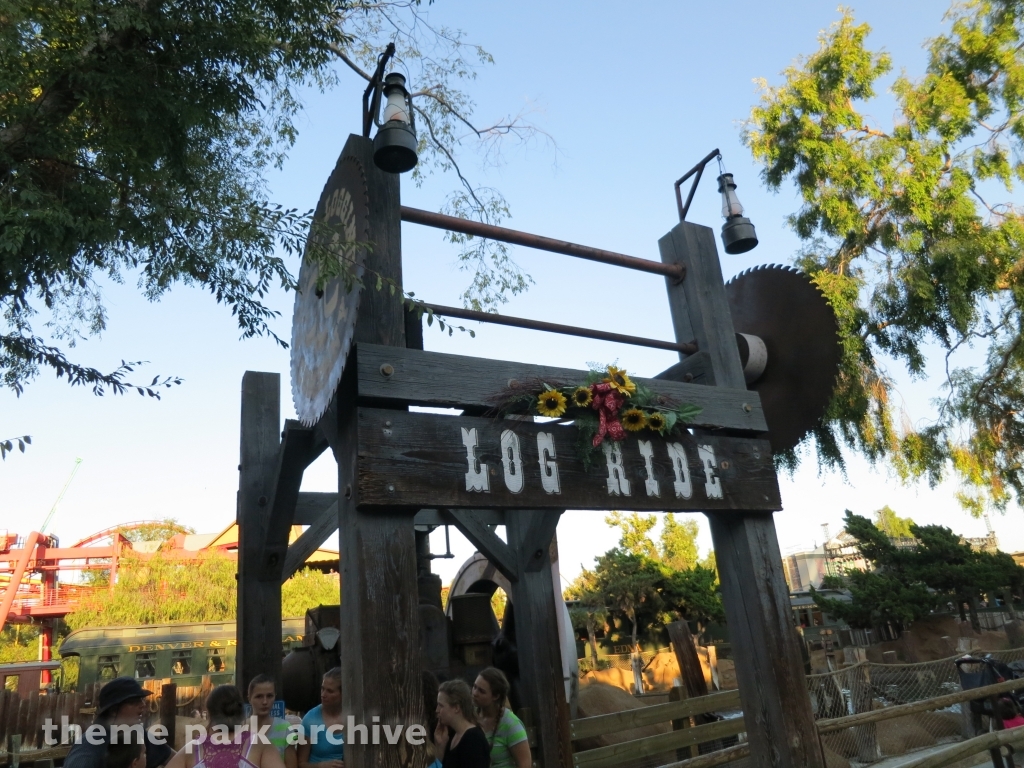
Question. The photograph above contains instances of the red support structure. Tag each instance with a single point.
(17, 576)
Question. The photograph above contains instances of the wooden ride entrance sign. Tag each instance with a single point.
(424, 460)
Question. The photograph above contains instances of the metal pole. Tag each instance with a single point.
(491, 232)
(568, 330)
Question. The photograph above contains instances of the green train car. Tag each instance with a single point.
(186, 654)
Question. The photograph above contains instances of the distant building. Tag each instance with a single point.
(804, 570)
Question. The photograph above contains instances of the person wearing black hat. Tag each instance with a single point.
(121, 710)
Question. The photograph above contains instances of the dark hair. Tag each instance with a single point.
(458, 694)
(1008, 708)
(260, 680)
(224, 706)
(334, 673)
(430, 688)
(125, 752)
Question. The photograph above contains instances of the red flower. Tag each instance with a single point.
(607, 403)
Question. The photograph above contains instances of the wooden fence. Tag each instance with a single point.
(638, 750)
(22, 719)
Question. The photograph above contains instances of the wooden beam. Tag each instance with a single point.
(598, 725)
(311, 505)
(422, 460)
(435, 517)
(380, 650)
(536, 628)
(486, 541)
(695, 369)
(637, 749)
(776, 706)
(292, 460)
(259, 600)
(412, 377)
(311, 539)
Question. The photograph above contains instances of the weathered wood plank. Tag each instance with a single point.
(259, 600)
(436, 379)
(777, 709)
(292, 459)
(615, 754)
(311, 505)
(598, 725)
(422, 460)
(536, 634)
(486, 541)
(380, 652)
(311, 540)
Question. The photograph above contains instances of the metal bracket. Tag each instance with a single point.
(699, 170)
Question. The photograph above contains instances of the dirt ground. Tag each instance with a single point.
(661, 674)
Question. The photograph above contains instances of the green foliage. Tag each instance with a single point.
(909, 582)
(635, 538)
(161, 530)
(679, 542)
(891, 524)
(135, 143)
(900, 237)
(7, 446)
(19, 643)
(163, 589)
(307, 589)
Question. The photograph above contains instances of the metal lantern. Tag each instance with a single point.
(394, 146)
(738, 234)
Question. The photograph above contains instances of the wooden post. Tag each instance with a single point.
(169, 708)
(380, 659)
(259, 599)
(529, 535)
(776, 705)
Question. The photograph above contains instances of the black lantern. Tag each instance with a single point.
(394, 146)
(737, 233)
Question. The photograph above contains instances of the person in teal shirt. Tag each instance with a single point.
(505, 732)
(322, 725)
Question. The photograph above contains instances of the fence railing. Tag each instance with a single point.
(865, 712)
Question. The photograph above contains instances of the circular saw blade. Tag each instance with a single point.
(786, 310)
(324, 322)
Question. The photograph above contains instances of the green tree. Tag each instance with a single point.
(907, 583)
(891, 524)
(631, 584)
(636, 530)
(136, 139)
(679, 543)
(19, 643)
(164, 589)
(904, 231)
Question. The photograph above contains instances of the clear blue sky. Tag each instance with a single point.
(633, 95)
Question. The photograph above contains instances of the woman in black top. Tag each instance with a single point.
(458, 741)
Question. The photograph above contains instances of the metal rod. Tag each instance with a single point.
(699, 170)
(490, 232)
(568, 330)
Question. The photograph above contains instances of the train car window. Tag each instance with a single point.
(181, 663)
(109, 667)
(214, 628)
(141, 632)
(214, 661)
(145, 665)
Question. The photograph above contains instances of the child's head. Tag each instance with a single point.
(126, 753)
(1008, 708)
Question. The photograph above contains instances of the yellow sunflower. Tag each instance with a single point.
(634, 419)
(620, 381)
(551, 403)
(656, 421)
(582, 397)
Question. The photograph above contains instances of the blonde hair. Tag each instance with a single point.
(459, 694)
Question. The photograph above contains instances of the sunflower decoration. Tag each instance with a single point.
(582, 397)
(634, 419)
(551, 403)
(657, 422)
(620, 381)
